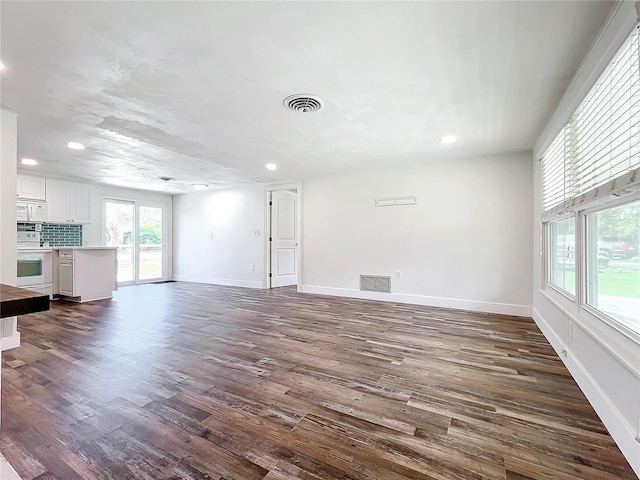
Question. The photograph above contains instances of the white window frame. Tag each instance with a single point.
(579, 300)
(583, 306)
(546, 228)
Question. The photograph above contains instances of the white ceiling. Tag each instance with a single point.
(194, 90)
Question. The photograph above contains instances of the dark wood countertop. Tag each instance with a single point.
(18, 301)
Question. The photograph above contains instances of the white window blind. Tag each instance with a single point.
(601, 141)
(553, 178)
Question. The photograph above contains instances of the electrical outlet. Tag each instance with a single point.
(256, 233)
(253, 267)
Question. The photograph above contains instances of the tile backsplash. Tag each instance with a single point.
(57, 235)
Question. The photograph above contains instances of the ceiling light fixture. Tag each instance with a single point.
(1, 66)
(166, 179)
(29, 161)
(448, 139)
(199, 186)
(271, 166)
(75, 146)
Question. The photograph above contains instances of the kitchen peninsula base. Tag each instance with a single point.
(87, 273)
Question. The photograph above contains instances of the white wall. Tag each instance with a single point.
(8, 169)
(9, 335)
(214, 236)
(466, 244)
(8, 249)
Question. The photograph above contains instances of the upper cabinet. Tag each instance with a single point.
(68, 202)
(31, 188)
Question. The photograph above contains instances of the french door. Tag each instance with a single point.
(138, 232)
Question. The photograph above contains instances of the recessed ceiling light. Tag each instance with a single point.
(29, 161)
(447, 139)
(199, 186)
(271, 166)
(1, 66)
(75, 146)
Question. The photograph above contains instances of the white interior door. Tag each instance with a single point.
(284, 244)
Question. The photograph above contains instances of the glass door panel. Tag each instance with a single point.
(149, 243)
(119, 231)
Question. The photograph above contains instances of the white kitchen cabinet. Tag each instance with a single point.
(68, 202)
(87, 273)
(31, 188)
(58, 201)
(65, 282)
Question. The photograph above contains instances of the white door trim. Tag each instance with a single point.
(266, 282)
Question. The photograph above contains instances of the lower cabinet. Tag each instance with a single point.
(65, 275)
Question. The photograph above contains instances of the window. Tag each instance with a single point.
(603, 132)
(588, 170)
(613, 263)
(601, 140)
(562, 255)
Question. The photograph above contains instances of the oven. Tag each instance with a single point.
(35, 268)
(35, 264)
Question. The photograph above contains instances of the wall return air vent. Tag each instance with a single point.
(395, 201)
(375, 283)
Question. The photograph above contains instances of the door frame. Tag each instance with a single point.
(166, 232)
(266, 281)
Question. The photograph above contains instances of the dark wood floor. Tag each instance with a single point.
(189, 381)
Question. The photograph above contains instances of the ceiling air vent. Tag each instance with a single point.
(303, 103)
(263, 179)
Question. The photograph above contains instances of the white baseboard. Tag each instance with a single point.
(12, 341)
(621, 432)
(460, 304)
(229, 282)
(6, 470)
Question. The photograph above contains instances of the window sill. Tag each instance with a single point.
(622, 345)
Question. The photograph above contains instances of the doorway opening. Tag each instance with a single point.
(282, 239)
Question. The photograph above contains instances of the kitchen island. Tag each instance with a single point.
(86, 273)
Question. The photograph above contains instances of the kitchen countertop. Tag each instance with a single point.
(85, 248)
(19, 301)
